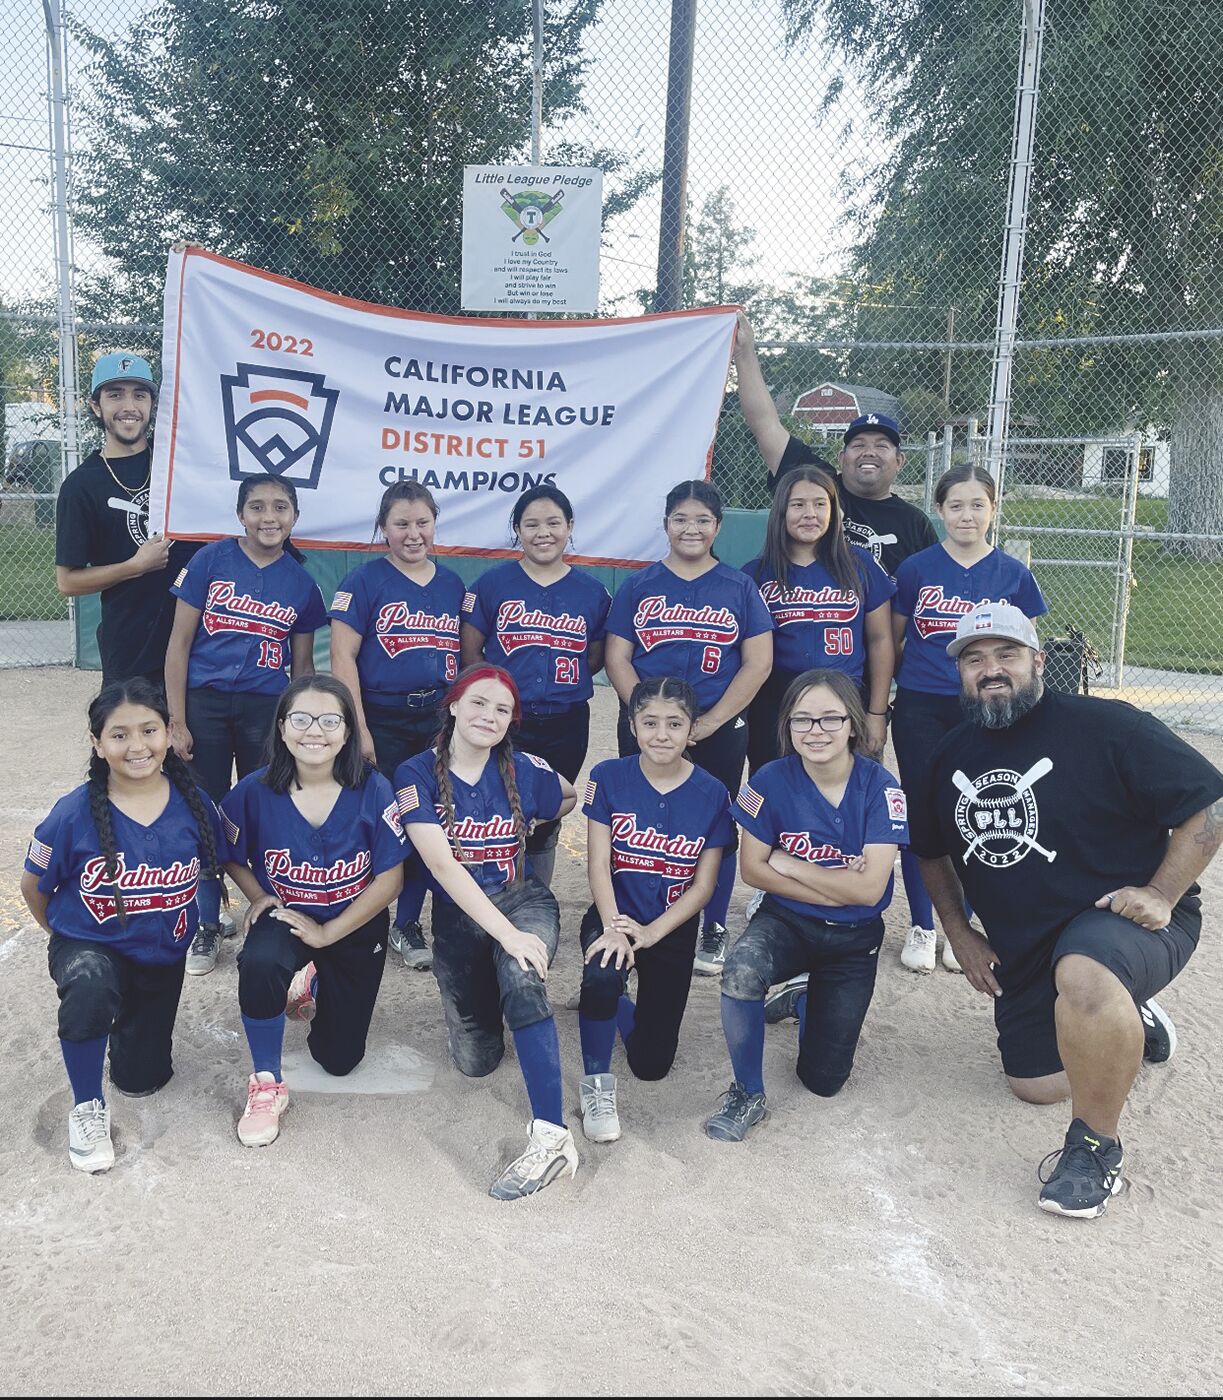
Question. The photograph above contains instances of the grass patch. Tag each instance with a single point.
(27, 575)
(1175, 619)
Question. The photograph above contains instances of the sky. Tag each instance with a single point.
(755, 128)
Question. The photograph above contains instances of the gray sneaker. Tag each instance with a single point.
(89, 1144)
(204, 949)
(739, 1114)
(600, 1121)
(711, 951)
(409, 943)
(229, 925)
(550, 1154)
(781, 1004)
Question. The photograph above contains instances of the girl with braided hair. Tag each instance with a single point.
(112, 875)
(467, 806)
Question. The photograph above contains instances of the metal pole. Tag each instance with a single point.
(537, 77)
(69, 374)
(670, 287)
(1010, 277)
(927, 503)
(1125, 557)
(947, 360)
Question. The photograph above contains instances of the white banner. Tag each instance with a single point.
(531, 238)
(342, 398)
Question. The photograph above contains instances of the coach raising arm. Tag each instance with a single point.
(1077, 828)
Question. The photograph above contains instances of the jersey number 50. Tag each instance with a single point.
(838, 641)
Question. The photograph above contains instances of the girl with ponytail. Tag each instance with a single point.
(467, 806)
(112, 875)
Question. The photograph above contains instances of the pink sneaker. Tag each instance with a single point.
(300, 1004)
(266, 1100)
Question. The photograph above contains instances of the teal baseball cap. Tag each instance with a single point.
(121, 366)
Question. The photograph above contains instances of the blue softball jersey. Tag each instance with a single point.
(934, 591)
(540, 633)
(692, 629)
(483, 818)
(247, 615)
(782, 807)
(409, 631)
(815, 621)
(319, 870)
(158, 875)
(656, 837)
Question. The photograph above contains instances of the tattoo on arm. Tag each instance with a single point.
(1211, 834)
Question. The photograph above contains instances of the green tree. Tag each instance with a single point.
(1125, 229)
(323, 139)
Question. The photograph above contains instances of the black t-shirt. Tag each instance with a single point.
(889, 530)
(1042, 819)
(98, 521)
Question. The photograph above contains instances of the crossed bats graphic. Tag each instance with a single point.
(966, 786)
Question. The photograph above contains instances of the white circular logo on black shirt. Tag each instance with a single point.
(997, 815)
(138, 517)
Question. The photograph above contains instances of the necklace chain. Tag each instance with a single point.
(122, 485)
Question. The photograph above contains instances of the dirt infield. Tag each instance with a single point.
(883, 1242)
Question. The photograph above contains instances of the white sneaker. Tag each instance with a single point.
(920, 951)
(950, 961)
(551, 1154)
(600, 1121)
(754, 903)
(89, 1146)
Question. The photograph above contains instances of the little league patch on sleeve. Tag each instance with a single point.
(409, 799)
(39, 854)
(750, 800)
(341, 602)
(540, 762)
(591, 788)
(231, 830)
(898, 805)
(390, 815)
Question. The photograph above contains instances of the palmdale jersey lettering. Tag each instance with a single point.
(936, 615)
(227, 610)
(399, 628)
(658, 621)
(302, 884)
(518, 628)
(145, 888)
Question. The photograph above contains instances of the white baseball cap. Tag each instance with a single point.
(1002, 620)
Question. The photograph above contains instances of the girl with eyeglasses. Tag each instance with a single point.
(934, 589)
(543, 621)
(246, 616)
(692, 617)
(395, 645)
(831, 608)
(316, 845)
(821, 826)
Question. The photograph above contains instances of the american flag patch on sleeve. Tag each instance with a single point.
(750, 800)
(181, 579)
(539, 762)
(39, 854)
(591, 788)
(231, 830)
(409, 799)
(469, 602)
(341, 602)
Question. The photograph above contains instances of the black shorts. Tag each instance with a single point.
(1142, 961)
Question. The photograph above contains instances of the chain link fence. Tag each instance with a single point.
(847, 182)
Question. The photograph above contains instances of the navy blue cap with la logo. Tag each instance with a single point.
(874, 423)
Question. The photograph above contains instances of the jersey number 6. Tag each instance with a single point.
(711, 659)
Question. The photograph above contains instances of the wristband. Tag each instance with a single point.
(880, 714)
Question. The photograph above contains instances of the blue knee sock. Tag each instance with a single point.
(598, 1040)
(265, 1037)
(743, 1025)
(539, 1058)
(626, 1018)
(718, 909)
(83, 1059)
(208, 901)
(800, 1007)
(411, 903)
(921, 911)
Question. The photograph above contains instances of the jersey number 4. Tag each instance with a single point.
(271, 656)
(566, 670)
(838, 641)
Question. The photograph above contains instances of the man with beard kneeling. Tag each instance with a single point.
(1077, 828)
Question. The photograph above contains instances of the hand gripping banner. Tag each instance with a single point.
(343, 398)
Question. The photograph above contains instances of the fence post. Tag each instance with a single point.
(671, 215)
(928, 489)
(1125, 556)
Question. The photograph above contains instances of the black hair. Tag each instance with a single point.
(957, 476)
(841, 686)
(664, 688)
(139, 691)
(703, 491)
(832, 549)
(349, 769)
(248, 484)
(545, 492)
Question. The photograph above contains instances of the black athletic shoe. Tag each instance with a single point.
(413, 948)
(739, 1114)
(781, 1004)
(1159, 1033)
(1087, 1175)
(711, 951)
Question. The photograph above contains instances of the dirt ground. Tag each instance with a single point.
(885, 1242)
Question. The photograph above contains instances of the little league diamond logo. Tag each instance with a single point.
(277, 422)
(531, 211)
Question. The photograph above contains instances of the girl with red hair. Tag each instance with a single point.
(468, 805)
